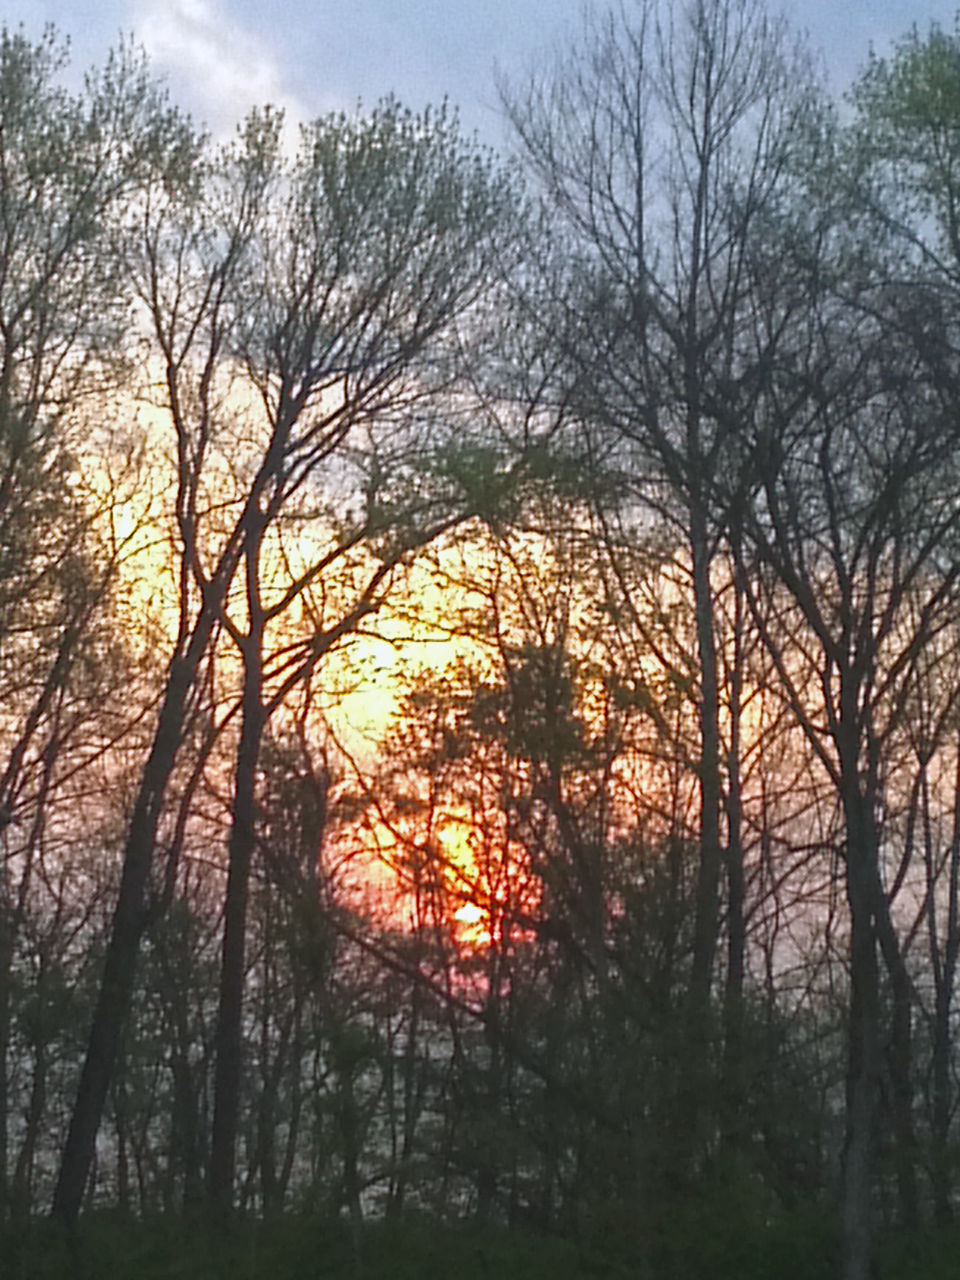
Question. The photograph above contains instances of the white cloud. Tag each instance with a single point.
(216, 68)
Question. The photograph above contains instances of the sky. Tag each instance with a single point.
(220, 57)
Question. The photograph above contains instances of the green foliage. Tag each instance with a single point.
(68, 165)
(909, 134)
(533, 712)
(734, 1232)
(541, 1071)
(736, 1227)
(478, 473)
(383, 228)
(288, 1248)
(916, 94)
(922, 1255)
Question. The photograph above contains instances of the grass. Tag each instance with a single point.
(287, 1248)
(688, 1245)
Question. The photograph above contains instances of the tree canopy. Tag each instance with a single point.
(620, 482)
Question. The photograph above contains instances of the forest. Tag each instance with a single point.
(480, 671)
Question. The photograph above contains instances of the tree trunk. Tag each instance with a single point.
(900, 1059)
(708, 873)
(22, 1197)
(695, 1093)
(942, 1033)
(862, 1085)
(736, 927)
(6, 977)
(863, 1073)
(229, 1037)
(119, 970)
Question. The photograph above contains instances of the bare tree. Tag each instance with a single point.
(660, 149)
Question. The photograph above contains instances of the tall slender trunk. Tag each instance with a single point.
(348, 1123)
(229, 1035)
(184, 1156)
(6, 979)
(736, 928)
(862, 1087)
(706, 925)
(900, 1058)
(863, 1070)
(695, 1094)
(941, 1172)
(119, 970)
(22, 1193)
(122, 1140)
(412, 1091)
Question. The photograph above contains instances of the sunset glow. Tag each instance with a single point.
(480, 654)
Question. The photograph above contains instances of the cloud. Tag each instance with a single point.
(216, 68)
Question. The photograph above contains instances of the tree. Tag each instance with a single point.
(858, 521)
(294, 306)
(660, 150)
(67, 165)
(854, 529)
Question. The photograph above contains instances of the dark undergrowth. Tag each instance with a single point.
(687, 1245)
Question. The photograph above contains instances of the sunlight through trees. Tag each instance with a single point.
(478, 652)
